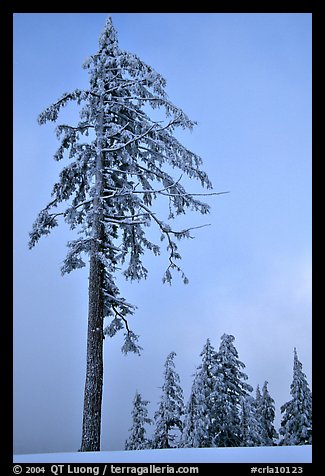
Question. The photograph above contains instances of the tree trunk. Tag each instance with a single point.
(91, 427)
(94, 372)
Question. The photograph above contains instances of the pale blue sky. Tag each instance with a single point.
(246, 79)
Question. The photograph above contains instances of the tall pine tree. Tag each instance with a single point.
(137, 439)
(171, 408)
(120, 162)
(296, 424)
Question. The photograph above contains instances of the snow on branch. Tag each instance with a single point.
(129, 222)
(51, 113)
(130, 343)
(172, 247)
(134, 139)
(42, 226)
(130, 338)
(120, 302)
(73, 260)
(114, 327)
(190, 194)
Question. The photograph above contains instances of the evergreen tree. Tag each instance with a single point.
(137, 439)
(258, 396)
(251, 430)
(189, 438)
(171, 408)
(230, 387)
(296, 424)
(120, 160)
(198, 427)
(205, 385)
(265, 407)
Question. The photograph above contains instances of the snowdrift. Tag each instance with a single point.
(259, 454)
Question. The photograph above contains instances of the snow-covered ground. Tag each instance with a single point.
(261, 454)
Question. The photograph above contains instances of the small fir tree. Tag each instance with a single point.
(258, 395)
(252, 432)
(265, 408)
(137, 439)
(198, 427)
(203, 387)
(171, 408)
(296, 424)
(189, 438)
(229, 390)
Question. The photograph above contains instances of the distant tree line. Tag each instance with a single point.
(221, 410)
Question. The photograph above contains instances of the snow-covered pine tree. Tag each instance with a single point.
(198, 423)
(120, 162)
(171, 408)
(296, 424)
(230, 387)
(189, 438)
(251, 430)
(265, 409)
(137, 439)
